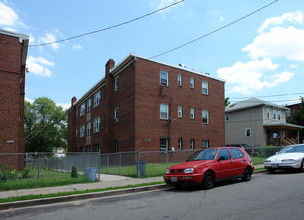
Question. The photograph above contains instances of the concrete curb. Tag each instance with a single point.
(60, 199)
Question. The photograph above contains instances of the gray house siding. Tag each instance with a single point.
(241, 120)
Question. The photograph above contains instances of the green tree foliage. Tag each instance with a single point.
(227, 102)
(74, 173)
(298, 115)
(45, 126)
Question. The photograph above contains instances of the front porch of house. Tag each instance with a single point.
(282, 134)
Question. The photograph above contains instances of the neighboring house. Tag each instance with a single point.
(13, 52)
(147, 105)
(259, 123)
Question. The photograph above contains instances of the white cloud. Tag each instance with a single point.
(293, 66)
(7, 15)
(279, 42)
(253, 76)
(37, 66)
(221, 19)
(295, 17)
(49, 38)
(77, 47)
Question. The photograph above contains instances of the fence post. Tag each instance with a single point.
(98, 165)
(108, 163)
(138, 161)
(261, 155)
(120, 163)
(38, 167)
(167, 157)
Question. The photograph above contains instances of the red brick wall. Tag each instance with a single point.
(12, 77)
(139, 127)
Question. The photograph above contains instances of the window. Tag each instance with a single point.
(163, 78)
(236, 153)
(81, 149)
(76, 132)
(82, 109)
(96, 147)
(268, 112)
(274, 113)
(77, 112)
(192, 83)
(204, 87)
(247, 132)
(227, 117)
(96, 125)
(279, 114)
(192, 144)
(163, 144)
(179, 80)
(180, 143)
(180, 111)
(97, 99)
(89, 128)
(89, 104)
(205, 116)
(116, 114)
(116, 149)
(224, 153)
(88, 148)
(205, 143)
(82, 129)
(192, 113)
(164, 111)
(116, 83)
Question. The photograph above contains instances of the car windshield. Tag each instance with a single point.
(208, 154)
(292, 149)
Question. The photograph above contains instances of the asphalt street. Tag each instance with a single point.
(266, 196)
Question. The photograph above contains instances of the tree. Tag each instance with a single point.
(298, 115)
(227, 102)
(45, 126)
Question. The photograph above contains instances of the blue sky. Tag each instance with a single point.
(260, 56)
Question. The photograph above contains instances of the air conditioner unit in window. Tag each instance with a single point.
(115, 120)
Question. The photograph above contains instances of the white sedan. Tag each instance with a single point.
(290, 157)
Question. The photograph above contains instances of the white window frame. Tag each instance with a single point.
(179, 80)
(274, 113)
(116, 84)
(89, 105)
(163, 147)
(268, 112)
(96, 125)
(192, 142)
(205, 143)
(89, 128)
(205, 116)
(116, 114)
(82, 109)
(180, 111)
(227, 116)
(164, 111)
(279, 114)
(192, 113)
(96, 99)
(82, 131)
(246, 132)
(205, 90)
(164, 79)
(180, 143)
(192, 82)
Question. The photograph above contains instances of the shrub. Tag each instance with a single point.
(25, 173)
(6, 173)
(74, 173)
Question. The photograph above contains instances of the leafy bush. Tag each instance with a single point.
(74, 173)
(6, 173)
(25, 173)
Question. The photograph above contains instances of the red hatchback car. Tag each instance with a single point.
(210, 165)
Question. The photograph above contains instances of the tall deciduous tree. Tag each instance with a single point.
(298, 115)
(45, 126)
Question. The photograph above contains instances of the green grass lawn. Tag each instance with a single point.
(47, 178)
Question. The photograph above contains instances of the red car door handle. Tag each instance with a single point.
(231, 162)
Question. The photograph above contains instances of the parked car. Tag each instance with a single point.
(244, 146)
(290, 157)
(207, 166)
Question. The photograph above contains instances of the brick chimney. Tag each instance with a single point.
(109, 65)
(74, 99)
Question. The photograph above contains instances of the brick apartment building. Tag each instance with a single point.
(13, 52)
(147, 105)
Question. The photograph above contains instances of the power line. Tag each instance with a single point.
(266, 96)
(108, 28)
(212, 32)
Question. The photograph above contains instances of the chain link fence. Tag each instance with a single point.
(133, 164)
